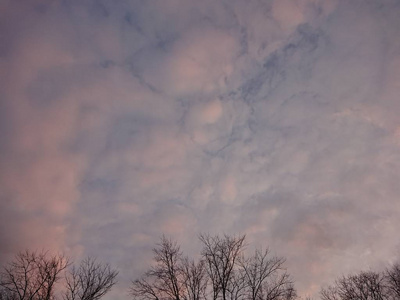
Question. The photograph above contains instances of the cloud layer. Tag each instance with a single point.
(120, 121)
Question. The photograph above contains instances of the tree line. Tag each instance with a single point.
(365, 285)
(36, 275)
(222, 271)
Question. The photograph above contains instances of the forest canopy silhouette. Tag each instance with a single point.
(38, 276)
(223, 270)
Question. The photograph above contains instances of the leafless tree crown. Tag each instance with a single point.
(90, 281)
(165, 279)
(392, 278)
(221, 255)
(32, 276)
(267, 278)
(222, 273)
(366, 286)
(194, 279)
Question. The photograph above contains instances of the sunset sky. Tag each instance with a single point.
(124, 120)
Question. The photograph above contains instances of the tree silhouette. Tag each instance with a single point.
(165, 280)
(267, 278)
(32, 276)
(222, 273)
(90, 281)
(392, 277)
(35, 275)
(362, 286)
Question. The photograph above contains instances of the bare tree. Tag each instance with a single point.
(278, 287)
(90, 281)
(221, 255)
(266, 277)
(223, 273)
(32, 276)
(194, 279)
(144, 289)
(363, 286)
(237, 285)
(166, 279)
(392, 278)
(330, 293)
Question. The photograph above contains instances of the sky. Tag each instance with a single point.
(124, 120)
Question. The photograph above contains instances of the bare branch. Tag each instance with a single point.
(221, 255)
(392, 278)
(363, 286)
(195, 279)
(266, 277)
(91, 281)
(32, 275)
(165, 280)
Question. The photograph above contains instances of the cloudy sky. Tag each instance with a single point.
(123, 120)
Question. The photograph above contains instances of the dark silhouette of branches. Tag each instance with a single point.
(221, 255)
(223, 273)
(194, 279)
(166, 279)
(90, 281)
(266, 277)
(278, 287)
(392, 277)
(32, 276)
(363, 286)
(145, 290)
(237, 285)
(35, 275)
